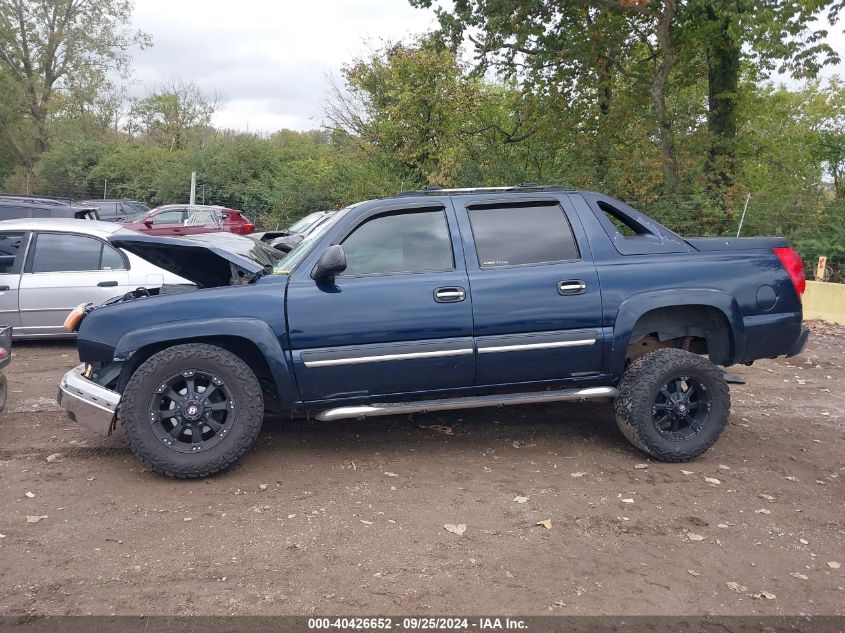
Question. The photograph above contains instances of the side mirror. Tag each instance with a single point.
(331, 263)
(148, 222)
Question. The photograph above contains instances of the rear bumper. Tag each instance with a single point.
(87, 403)
(800, 343)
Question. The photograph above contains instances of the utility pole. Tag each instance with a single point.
(744, 209)
(105, 187)
(203, 193)
(193, 188)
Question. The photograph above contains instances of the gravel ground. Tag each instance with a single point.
(348, 517)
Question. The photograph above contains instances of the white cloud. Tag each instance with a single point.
(270, 61)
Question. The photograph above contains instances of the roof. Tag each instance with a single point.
(69, 225)
(525, 187)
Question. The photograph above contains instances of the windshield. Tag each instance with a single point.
(301, 250)
(304, 223)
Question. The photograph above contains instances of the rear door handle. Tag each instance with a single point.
(107, 284)
(2, 288)
(450, 294)
(571, 287)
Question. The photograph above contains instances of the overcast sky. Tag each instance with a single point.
(270, 60)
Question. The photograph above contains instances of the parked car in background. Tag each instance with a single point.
(234, 221)
(177, 219)
(13, 207)
(288, 242)
(437, 300)
(300, 226)
(49, 266)
(117, 210)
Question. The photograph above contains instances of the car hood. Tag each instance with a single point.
(207, 259)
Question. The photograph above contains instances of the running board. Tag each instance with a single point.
(469, 402)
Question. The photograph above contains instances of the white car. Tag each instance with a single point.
(49, 266)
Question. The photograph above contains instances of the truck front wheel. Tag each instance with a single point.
(672, 404)
(191, 410)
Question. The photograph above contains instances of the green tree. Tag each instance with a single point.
(52, 45)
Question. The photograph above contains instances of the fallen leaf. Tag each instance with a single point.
(694, 537)
(578, 474)
(803, 541)
(188, 519)
(458, 529)
(29, 494)
(762, 511)
(735, 586)
(723, 467)
(641, 466)
(764, 594)
(518, 444)
(713, 481)
(692, 572)
(365, 522)
(546, 523)
(519, 499)
(54, 457)
(832, 564)
(390, 474)
(798, 575)
(766, 497)
(446, 430)
(262, 487)
(722, 525)
(36, 519)
(627, 501)
(791, 478)
(687, 472)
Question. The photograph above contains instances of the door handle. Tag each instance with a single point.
(571, 287)
(107, 284)
(451, 294)
(2, 288)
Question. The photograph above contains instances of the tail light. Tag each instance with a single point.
(791, 261)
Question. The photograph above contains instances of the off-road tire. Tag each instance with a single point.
(638, 390)
(246, 426)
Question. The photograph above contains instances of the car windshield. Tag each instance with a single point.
(301, 225)
(301, 250)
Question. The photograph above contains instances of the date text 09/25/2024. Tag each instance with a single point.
(418, 623)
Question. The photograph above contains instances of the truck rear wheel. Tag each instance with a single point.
(191, 410)
(672, 404)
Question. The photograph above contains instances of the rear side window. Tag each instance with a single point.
(61, 252)
(416, 241)
(12, 213)
(521, 234)
(10, 246)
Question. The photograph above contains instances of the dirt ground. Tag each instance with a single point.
(348, 517)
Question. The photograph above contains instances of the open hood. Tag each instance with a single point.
(207, 259)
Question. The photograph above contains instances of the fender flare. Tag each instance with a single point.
(634, 307)
(256, 331)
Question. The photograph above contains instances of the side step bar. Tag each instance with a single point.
(469, 402)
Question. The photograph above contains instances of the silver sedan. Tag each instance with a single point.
(48, 266)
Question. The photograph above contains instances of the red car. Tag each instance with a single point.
(234, 221)
(185, 219)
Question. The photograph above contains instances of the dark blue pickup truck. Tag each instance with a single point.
(434, 300)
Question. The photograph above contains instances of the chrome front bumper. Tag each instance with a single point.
(87, 403)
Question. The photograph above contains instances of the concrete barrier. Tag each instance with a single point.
(825, 301)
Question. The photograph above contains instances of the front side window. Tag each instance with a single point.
(400, 243)
(61, 252)
(168, 217)
(521, 234)
(10, 246)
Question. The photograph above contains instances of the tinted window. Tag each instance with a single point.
(168, 217)
(513, 235)
(107, 209)
(11, 213)
(405, 242)
(10, 245)
(60, 252)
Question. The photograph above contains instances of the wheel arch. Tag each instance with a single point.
(709, 314)
(252, 340)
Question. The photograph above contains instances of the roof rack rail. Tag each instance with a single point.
(436, 190)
